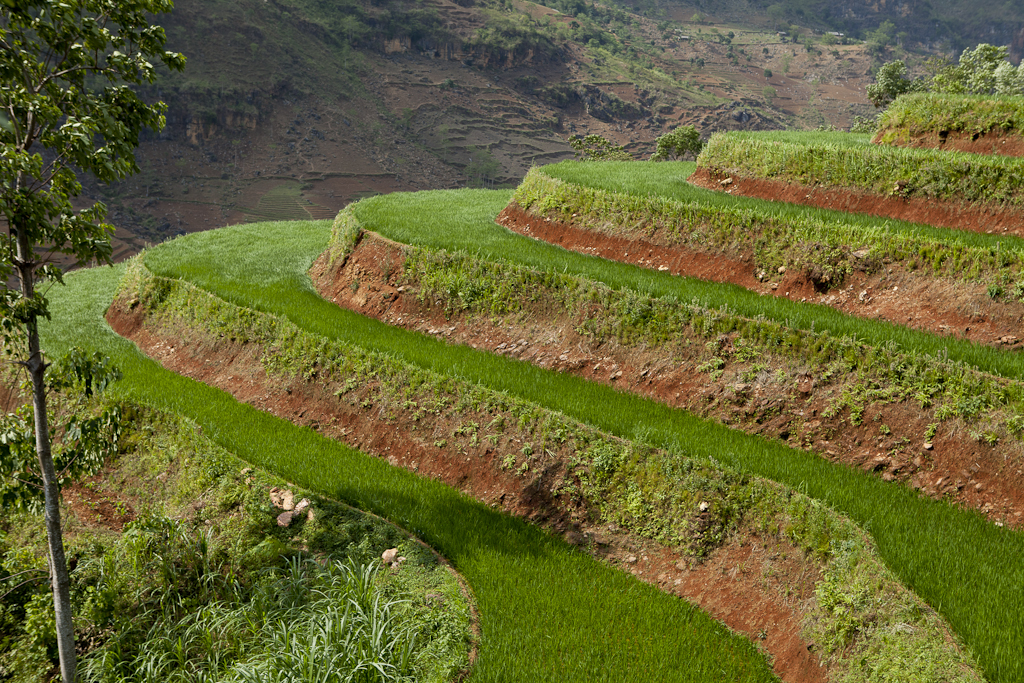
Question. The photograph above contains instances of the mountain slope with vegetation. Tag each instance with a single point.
(290, 109)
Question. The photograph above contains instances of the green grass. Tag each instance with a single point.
(840, 160)
(967, 568)
(649, 202)
(668, 180)
(548, 612)
(198, 584)
(650, 492)
(463, 220)
(282, 203)
(924, 113)
(857, 374)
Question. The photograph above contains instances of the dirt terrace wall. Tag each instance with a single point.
(992, 142)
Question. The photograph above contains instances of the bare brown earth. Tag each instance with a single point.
(989, 219)
(95, 506)
(993, 142)
(957, 467)
(758, 585)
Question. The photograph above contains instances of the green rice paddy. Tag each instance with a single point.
(548, 612)
(964, 566)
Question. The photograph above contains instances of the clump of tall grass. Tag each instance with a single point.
(307, 621)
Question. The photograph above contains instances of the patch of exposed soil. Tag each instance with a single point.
(759, 586)
(952, 465)
(993, 142)
(96, 506)
(991, 219)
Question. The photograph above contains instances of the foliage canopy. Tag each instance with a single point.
(67, 72)
(984, 70)
(677, 143)
(891, 82)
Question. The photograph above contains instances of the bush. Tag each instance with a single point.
(598, 148)
(678, 143)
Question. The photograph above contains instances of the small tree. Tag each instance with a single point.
(677, 143)
(1009, 80)
(483, 168)
(891, 82)
(881, 38)
(975, 74)
(66, 71)
(598, 148)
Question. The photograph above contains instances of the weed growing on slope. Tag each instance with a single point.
(345, 232)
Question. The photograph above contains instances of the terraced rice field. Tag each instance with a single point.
(693, 396)
(285, 203)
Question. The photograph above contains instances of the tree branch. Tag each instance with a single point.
(26, 571)
(35, 578)
(27, 483)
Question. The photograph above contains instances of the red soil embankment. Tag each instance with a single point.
(935, 305)
(757, 586)
(987, 478)
(991, 219)
(993, 142)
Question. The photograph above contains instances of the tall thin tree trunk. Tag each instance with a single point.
(59, 577)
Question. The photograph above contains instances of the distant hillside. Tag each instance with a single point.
(293, 108)
(946, 25)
